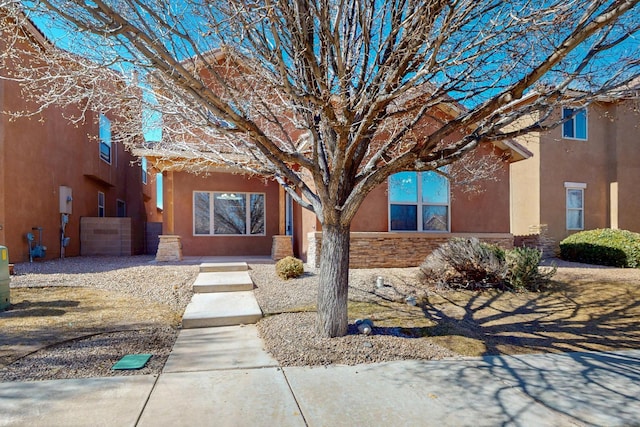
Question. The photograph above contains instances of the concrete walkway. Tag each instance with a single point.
(222, 377)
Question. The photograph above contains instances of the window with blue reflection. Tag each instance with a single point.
(408, 212)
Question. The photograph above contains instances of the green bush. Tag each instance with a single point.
(618, 248)
(289, 267)
(469, 263)
(523, 271)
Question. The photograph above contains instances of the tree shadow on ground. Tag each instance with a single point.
(560, 320)
(579, 388)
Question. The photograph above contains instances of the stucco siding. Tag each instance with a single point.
(185, 184)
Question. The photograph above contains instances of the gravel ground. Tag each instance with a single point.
(287, 328)
(91, 354)
(139, 276)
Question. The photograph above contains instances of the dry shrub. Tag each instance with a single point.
(467, 263)
(289, 267)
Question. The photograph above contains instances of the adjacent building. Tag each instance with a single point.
(57, 177)
(584, 174)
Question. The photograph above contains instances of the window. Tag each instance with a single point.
(574, 124)
(575, 205)
(121, 208)
(143, 166)
(105, 138)
(228, 213)
(418, 201)
(100, 204)
(159, 201)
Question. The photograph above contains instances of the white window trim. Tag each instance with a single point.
(574, 186)
(247, 196)
(419, 204)
(586, 124)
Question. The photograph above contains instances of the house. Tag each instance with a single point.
(223, 213)
(218, 211)
(67, 183)
(583, 175)
(215, 210)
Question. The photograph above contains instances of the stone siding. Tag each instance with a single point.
(282, 247)
(169, 248)
(539, 238)
(388, 250)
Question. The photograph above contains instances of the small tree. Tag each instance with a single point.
(328, 97)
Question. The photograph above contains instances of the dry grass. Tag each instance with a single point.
(39, 317)
(581, 311)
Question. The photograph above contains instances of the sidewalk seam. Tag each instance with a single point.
(295, 399)
(146, 401)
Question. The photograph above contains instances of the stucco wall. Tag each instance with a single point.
(42, 153)
(627, 176)
(607, 163)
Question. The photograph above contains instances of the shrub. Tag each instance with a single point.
(618, 248)
(470, 263)
(465, 263)
(523, 271)
(289, 267)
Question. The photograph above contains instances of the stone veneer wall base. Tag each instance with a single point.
(169, 248)
(396, 250)
(282, 247)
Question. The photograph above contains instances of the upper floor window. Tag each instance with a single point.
(105, 138)
(574, 124)
(418, 201)
(143, 166)
(228, 213)
(575, 205)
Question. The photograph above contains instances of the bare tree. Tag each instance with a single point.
(331, 97)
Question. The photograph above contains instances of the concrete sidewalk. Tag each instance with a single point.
(223, 377)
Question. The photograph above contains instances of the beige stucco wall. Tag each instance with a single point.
(607, 163)
(628, 169)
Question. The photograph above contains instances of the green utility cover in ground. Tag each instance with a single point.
(132, 361)
(4, 278)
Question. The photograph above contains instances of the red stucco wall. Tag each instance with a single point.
(185, 184)
(42, 153)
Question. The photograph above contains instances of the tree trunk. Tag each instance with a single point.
(332, 320)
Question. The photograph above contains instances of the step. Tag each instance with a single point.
(228, 281)
(221, 309)
(209, 267)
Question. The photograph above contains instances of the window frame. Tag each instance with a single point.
(105, 140)
(120, 202)
(143, 166)
(419, 204)
(574, 114)
(574, 186)
(212, 225)
(101, 205)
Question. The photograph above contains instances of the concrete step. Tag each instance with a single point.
(228, 281)
(221, 309)
(210, 267)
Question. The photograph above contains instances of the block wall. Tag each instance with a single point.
(105, 236)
